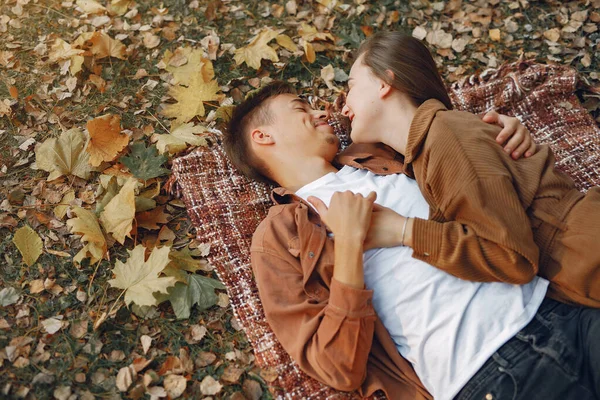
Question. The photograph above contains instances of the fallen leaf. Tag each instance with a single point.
(29, 244)
(125, 378)
(199, 290)
(209, 386)
(78, 329)
(180, 138)
(257, 50)
(232, 374)
(53, 324)
(64, 156)
(9, 296)
(190, 99)
(36, 286)
(150, 219)
(61, 210)
(495, 34)
(117, 216)
(90, 6)
(100, 45)
(61, 50)
(151, 41)
(286, 42)
(146, 342)
(252, 389)
(140, 278)
(328, 75)
(144, 162)
(175, 385)
(106, 139)
(552, 35)
(86, 224)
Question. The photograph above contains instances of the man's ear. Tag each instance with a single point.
(261, 136)
(384, 87)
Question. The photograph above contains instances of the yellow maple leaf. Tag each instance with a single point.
(309, 33)
(140, 278)
(29, 244)
(86, 224)
(257, 49)
(117, 216)
(118, 7)
(190, 99)
(106, 139)
(179, 139)
(61, 50)
(64, 156)
(100, 45)
(185, 63)
(61, 210)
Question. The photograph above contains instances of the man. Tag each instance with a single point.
(415, 331)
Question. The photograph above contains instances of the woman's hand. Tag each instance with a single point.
(385, 229)
(518, 136)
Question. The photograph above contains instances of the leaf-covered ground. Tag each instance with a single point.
(105, 292)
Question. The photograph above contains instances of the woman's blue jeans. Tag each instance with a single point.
(555, 357)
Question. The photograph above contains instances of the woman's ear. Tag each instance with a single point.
(384, 87)
(261, 136)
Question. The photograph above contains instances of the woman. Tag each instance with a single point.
(491, 218)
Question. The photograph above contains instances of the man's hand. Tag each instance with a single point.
(385, 229)
(348, 215)
(519, 139)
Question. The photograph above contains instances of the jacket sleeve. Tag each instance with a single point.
(487, 237)
(329, 339)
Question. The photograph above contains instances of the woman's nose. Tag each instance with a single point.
(345, 110)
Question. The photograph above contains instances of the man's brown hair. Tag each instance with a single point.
(414, 69)
(252, 112)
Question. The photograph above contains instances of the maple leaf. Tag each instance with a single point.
(140, 278)
(90, 6)
(118, 214)
(29, 244)
(144, 163)
(62, 50)
(86, 224)
(257, 49)
(100, 45)
(186, 63)
(106, 139)
(64, 156)
(118, 7)
(180, 138)
(150, 219)
(190, 99)
(199, 290)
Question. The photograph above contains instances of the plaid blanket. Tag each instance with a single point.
(226, 208)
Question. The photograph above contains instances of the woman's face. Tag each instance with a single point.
(363, 103)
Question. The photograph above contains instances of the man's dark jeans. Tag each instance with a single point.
(555, 357)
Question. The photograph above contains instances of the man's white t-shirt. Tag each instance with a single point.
(445, 326)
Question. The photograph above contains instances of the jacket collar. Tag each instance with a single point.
(419, 128)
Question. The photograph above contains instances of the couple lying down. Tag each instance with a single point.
(425, 260)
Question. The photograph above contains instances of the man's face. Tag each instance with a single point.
(362, 102)
(299, 129)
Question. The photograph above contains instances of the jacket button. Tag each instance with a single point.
(311, 254)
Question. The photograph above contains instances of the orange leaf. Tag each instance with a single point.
(14, 92)
(106, 139)
(150, 219)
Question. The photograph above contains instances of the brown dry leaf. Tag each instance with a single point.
(101, 45)
(286, 42)
(29, 244)
(257, 49)
(61, 210)
(125, 378)
(495, 35)
(151, 41)
(232, 374)
(62, 50)
(309, 51)
(86, 224)
(98, 82)
(328, 74)
(36, 286)
(150, 219)
(209, 386)
(146, 342)
(90, 6)
(175, 385)
(106, 139)
(78, 329)
(117, 217)
(64, 156)
(118, 7)
(252, 389)
(552, 35)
